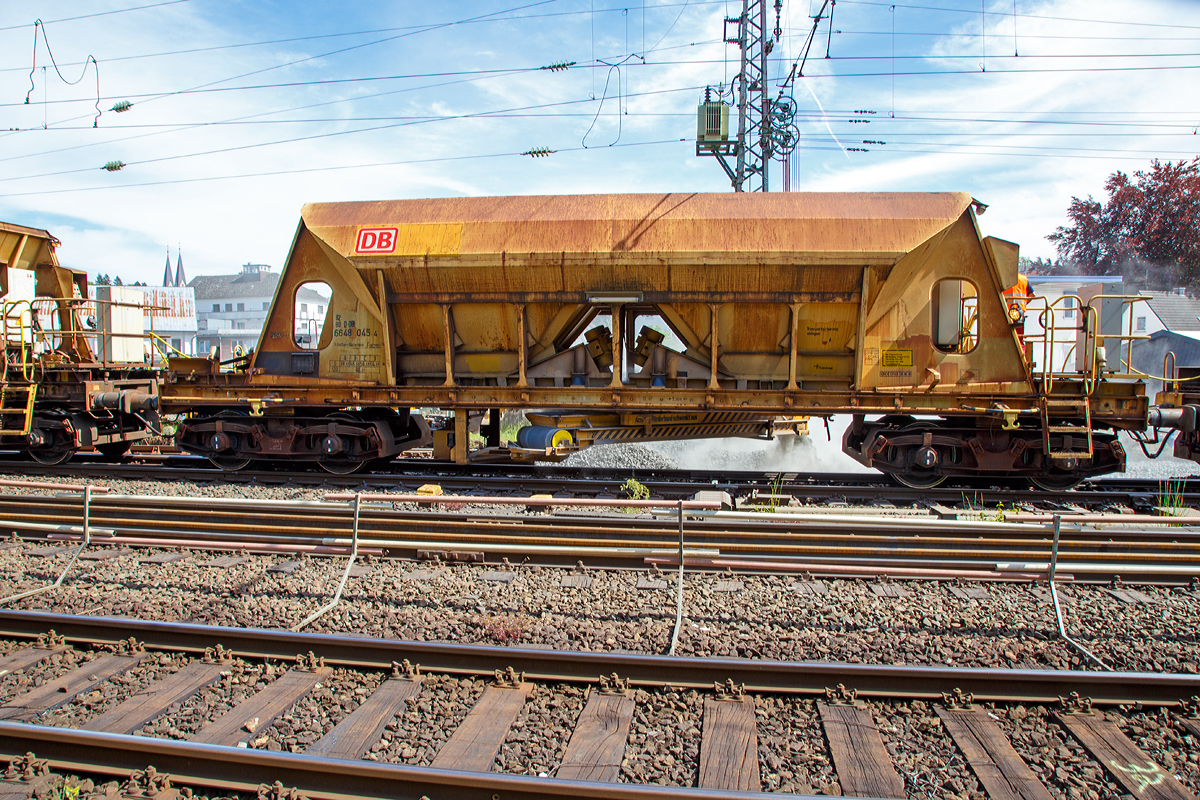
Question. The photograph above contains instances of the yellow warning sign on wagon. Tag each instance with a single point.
(896, 358)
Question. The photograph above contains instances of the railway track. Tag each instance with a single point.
(914, 545)
(858, 488)
(210, 702)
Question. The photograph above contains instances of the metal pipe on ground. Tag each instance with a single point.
(822, 568)
(1186, 524)
(85, 535)
(464, 499)
(62, 487)
(252, 547)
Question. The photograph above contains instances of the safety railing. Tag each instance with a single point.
(162, 347)
(83, 323)
(19, 330)
(1084, 329)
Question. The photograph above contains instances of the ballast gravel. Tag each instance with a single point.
(1013, 626)
(665, 734)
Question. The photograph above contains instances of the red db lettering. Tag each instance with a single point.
(372, 241)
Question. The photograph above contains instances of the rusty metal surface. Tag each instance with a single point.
(669, 226)
(318, 778)
(808, 677)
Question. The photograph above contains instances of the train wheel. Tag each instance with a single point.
(914, 478)
(1056, 482)
(50, 456)
(919, 480)
(342, 467)
(229, 463)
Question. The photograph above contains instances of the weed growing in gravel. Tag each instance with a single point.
(773, 504)
(635, 490)
(1170, 497)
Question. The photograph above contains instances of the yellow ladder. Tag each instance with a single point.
(12, 404)
(1074, 407)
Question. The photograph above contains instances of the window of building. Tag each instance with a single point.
(177, 343)
(1141, 323)
(241, 326)
(1068, 307)
(307, 330)
(320, 309)
(229, 306)
(266, 305)
(216, 306)
(241, 306)
(955, 305)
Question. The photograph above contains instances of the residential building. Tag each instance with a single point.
(232, 309)
(1171, 323)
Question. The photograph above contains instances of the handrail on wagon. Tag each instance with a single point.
(1087, 323)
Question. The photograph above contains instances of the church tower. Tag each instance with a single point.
(167, 280)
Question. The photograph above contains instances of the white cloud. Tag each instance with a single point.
(951, 132)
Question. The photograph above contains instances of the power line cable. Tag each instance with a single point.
(1122, 22)
(208, 178)
(347, 49)
(38, 25)
(608, 65)
(329, 135)
(96, 14)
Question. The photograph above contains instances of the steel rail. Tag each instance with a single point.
(808, 677)
(569, 538)
(241, 515)
(668, 483)
(316, 777)
(805, 540)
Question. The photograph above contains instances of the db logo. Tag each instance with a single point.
(375, 241)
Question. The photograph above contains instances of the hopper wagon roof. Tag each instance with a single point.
(670, 228)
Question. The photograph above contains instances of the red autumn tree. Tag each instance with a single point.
(1148, 230)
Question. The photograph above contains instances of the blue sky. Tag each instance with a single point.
(243, 111)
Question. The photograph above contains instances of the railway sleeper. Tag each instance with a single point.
(227, 750)
(924, 453)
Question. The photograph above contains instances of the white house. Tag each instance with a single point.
(231, 310)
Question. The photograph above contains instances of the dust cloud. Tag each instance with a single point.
(806, 454)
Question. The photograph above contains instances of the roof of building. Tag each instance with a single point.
(259, 284)
(1176, 312)
(1082, 280)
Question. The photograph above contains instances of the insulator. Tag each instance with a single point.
(539, 152)
(122, 107)
(115, 166)
(559, 66)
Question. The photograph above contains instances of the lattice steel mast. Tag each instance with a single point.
(765, 126)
